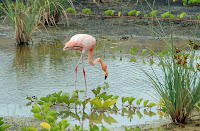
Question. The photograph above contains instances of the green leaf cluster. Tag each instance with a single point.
(70, 10)
(2, 126)
(111, 12)
(181, 15)
(88, 11)
(153, 13)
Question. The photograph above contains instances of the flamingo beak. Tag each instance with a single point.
(106, 75)
(65, 48)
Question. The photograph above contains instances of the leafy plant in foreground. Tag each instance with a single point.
(3, 127)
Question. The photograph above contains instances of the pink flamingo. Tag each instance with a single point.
(84, 42)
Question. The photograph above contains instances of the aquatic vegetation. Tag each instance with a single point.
(137, 13)
(111, 12)
(131, 12)
(24, 18)
(52, 10)
(181, 15)
(70, 10)
(2, 126)
(153, 13)
(88, 11)
(101, 108)
(179, 84)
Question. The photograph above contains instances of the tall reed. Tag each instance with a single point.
(24, 16)
(52, 10)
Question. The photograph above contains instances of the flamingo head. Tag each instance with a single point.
(106, 74)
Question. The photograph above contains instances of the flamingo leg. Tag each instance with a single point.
(84, 74)
(76, 70)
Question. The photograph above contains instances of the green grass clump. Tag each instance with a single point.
(24, 17)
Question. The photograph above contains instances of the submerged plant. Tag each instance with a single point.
(24, 16)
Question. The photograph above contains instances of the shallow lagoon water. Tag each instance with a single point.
(42, 69)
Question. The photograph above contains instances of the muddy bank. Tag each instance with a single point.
(101, 26)
(192, 125)
(118, 27)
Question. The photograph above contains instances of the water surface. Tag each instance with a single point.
(42, 69)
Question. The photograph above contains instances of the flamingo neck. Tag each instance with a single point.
(103, 65)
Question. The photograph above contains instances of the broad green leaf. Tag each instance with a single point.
(1, 122)
(63, 124)
(145, 112)
(151, 53)
(86, 101)
(81, 90)
(74, 94)
(145, 103)
(108, 12)
(36, 107)
(53, 99)
(109, 119)
(23, 128)
(182, 14)
(52, 112)
(132, 52)
(70, 10)
(137, 13)
(131, 12)
(144, 62)
(93, 101)
(4, 127)
(48, 104)
(109, 102)
(35, 110)
(145, 15)
(124, 100)
(98, 103)
(29, 98)
(1, 118)
(172, 16)
(45, 125)
(143, 51)
(151, 61)
(164, 109)
(151, 113)
(96, 118)
(130, 100)
(38, 116)
(151, 104)
(40, 102)
(139, 101)
(153, 13)
(115, 97)
(32, 129)
(45, 99)
(139, 114)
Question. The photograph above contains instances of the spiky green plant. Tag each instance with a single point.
(52, 11)
(179, 84)
(23, 15)
(179, 87)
